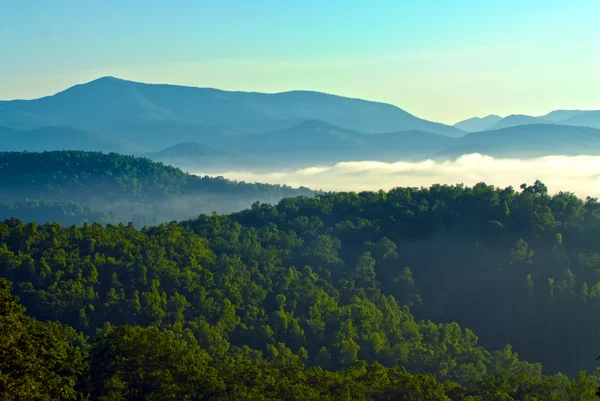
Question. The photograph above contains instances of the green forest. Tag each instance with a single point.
(440, 293)
(73, 187)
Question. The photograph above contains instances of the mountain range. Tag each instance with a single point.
(111, 104)
(211, 130)
(582, 118)
(59, 138)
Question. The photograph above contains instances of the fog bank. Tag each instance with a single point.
(578, 174)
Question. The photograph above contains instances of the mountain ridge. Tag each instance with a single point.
(526, 141)
(74, 186)
(109, 103)
(478, 123)
(317, 142)
(583, 118)
(60, 137)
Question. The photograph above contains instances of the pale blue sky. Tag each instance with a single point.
(443, 60)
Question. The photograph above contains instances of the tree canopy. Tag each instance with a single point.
(419, 294)
(72, 187)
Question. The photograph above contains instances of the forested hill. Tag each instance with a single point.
(71, 187)
(516, 266)
(409, 294)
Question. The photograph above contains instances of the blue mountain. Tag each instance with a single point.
(157, 115)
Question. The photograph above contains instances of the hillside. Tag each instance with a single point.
(306, 143)
(212, 131)
(526, 141)
(190, 149)
(199, 157)
(583, 118)
(517, 267)
(516, 120)
(562, 115)
(127, 109)
(318, 142)
(74, 186)
(587, 119)
(48, 138)
(477, 123)
(322, 298)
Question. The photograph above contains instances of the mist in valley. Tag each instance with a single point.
(577, 174)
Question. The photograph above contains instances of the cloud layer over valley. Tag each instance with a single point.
(577, 174)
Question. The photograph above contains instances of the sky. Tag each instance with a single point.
(442, 60)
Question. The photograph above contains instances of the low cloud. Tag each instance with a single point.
(577, 174)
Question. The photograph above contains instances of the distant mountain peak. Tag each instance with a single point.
(190, 149)
(109, 78)
(111, 104)
(104, 80)
(478, 123)
(313, 124)
(563, 114)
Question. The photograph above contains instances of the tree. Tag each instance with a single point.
(38, 360)
(132, 363)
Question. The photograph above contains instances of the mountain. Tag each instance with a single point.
(74, 186)
(408, 145)
(183, 114)
(584, 118)
(588, 119)
(562, 115)
(522, 141)
(517, 119)
(316, 141)
(478, 124)
(310, 141)
(60, 138)
(190, 149)
(196, 156)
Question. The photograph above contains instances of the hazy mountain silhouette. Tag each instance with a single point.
(316, 141)
(309, 142)
(60, 138)
(562, 115)
(191, 149)
(478, 124)
(195, 156)
(204, 128)
(516, 120)
(525, 141)
(587, 119)
(584, 118)
(123, 107)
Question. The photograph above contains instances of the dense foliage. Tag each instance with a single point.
(514, 266)
(47, 361)
(71, 187)
(38, 361)
(316, 298)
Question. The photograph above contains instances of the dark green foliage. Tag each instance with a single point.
(133, 363)
(73, 187)
(65, 212)
(38, 361)
(496, 261)
(316, 298)
(245, 295)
